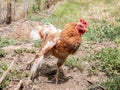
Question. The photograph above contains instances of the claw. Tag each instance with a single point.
(32, 77)
(28, 66)
(56, 79)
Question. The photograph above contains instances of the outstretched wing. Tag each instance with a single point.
(49, 43)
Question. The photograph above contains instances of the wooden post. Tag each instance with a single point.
(42, 5)
(0, 13)
(9, 12)
(25, 8)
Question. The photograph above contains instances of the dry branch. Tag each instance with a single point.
(98, 85)
(19, 85)
(9, 12)
(6, 73)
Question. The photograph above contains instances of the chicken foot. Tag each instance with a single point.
(56, 77)
(29, 64)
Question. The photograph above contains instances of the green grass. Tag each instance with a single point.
(72, 11)
(21, 50)
(93, 70)
(111, 84)
(98, 13)
(73, 62)
(109, 60)
(14, 74)
(3, 67)
(104, 23)
(62, 15)
(37, 43)
(2, 53)
(5, 41)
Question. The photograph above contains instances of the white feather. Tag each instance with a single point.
(35, 33)
(44, 30)
(37, 64)
(54, 29)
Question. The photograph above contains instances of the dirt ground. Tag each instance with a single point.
(71, 79)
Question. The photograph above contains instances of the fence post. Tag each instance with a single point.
(9, 12)
(42, 5)
(0, 13)
(25, 8)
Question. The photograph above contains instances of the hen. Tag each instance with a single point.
(60, 45)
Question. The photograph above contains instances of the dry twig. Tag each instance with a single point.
(19, 85)
(100, 86)
(6, 73)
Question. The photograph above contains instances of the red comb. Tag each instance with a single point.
(83, 22)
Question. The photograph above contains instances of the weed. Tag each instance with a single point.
(3, 67)
(113, 83)
(2, 53)
(21, 50)
(37, 43)
(13, 74)
(73, 62)
(71, 11)
(100, 31)
(5, 41)
(36, 6)
(112, 33)
(93, 70)
(109, 60)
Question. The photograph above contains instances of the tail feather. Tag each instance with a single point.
(55, 30)
(34, 35)
(44, 30)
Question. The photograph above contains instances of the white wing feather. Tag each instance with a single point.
(44, 30)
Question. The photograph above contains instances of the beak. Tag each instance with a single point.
(86, 29)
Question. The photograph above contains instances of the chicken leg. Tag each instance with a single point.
(59, 64)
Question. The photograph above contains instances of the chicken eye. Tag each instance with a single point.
(81, 26)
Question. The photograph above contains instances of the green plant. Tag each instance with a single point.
(37, 43)
(113, 83)
(21, 50)
(112, 33)
(73, 62)
(2, 53)
(5, 41)
(93, 70)
(109, 60)
(36, 6)
(13, 74)
(98, 31)
(3, 67)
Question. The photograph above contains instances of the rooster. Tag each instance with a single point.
(60, 45)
